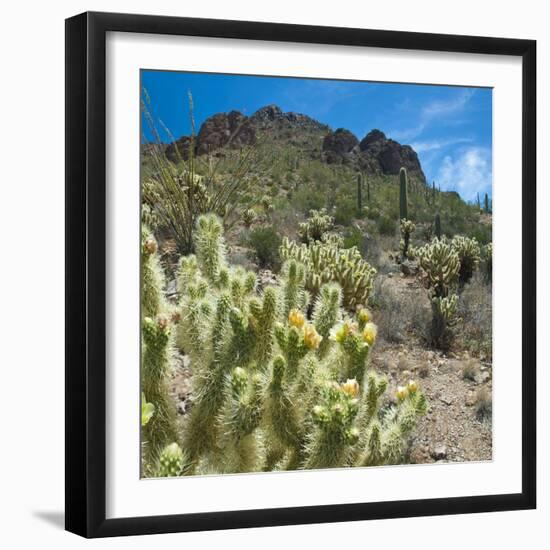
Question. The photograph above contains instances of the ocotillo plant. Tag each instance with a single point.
(437, 226)
(359, 194)
(403, 194)
(441, 264)
(279, 384)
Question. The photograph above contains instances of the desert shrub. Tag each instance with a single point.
(470, 371)
(345, 211)
(483, 405)
(386, 225)
(307, 198)
(265, 243)
(277, 387)
(476, 312)
(399, 314)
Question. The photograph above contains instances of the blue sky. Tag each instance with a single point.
(449, 127)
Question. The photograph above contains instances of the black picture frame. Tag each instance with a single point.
(86, 274)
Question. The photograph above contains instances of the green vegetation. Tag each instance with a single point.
(277, 387)
(263, 265)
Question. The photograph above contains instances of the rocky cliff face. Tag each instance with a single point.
(338, 145)
(375, 153)
(386, 156)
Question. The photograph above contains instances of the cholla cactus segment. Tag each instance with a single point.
(210, 247)
(161, 427)
(327, 262)
(147, 410)
(152, 276)
(318, 224)
(335, 432)
(277, 384)
(441, 264)
(249, 216)
(469, 254)
(407, 228)
(170, 461)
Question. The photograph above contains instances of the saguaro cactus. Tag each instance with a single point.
(359, 194)
(403, 194)
(486, 203)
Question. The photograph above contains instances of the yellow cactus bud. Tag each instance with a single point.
(412, 386)
(369, 333)
(340, 332)
(351, 387)
(162, 321)
(312, 338)
(150, 245)
(296, 318)
(364, 315)
(401, 393)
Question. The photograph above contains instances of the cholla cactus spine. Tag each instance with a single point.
(170, 462)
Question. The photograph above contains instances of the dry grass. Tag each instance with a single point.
(483, 405)
(470, 371)
(475, 309)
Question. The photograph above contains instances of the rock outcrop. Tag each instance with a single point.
(374, 154)
(232, 130)
(382, 155)
(338, 144)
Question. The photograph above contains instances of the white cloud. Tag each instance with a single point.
(423, 146)
(445, 108)
(468, 172)
(435, 110)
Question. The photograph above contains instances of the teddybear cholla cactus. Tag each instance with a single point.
(441, 263)
(407, 228)
(274, 388)
(318, 224)
(469, 254)
(327, 261)
(159, 427)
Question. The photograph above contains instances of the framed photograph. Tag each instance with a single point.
(300, 274)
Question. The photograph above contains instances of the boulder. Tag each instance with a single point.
(386, 156)
(232, 130)
(338, 144)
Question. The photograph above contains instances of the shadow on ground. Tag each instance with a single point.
(55, 518)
